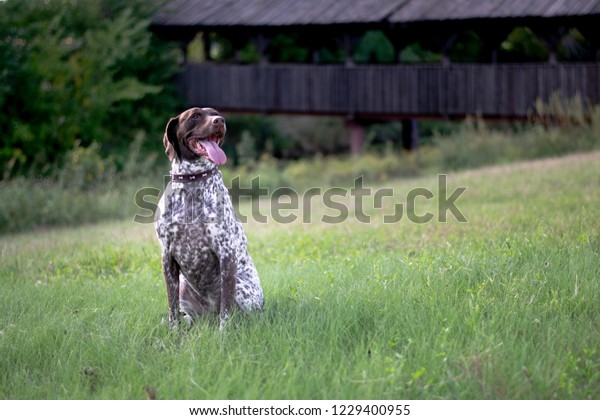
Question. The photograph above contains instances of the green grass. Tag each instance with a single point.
(506, 306)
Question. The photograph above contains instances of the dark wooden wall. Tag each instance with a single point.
(388, 91)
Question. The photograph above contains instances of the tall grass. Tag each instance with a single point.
(476, 145)
(88, 188)
(505, 306)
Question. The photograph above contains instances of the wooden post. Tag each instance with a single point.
(184, 43)
(410, 134)
(356, 135)
(207, 46)
(315, 57)
(447, 46)
(591, 36)
(348, 42)
(261, 41)
(492, 38)
(443, 41)
(238, 42)
(551, 37)
(400, 39)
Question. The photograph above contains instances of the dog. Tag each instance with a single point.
(205, 259)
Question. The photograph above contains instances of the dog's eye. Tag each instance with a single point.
(195, 116)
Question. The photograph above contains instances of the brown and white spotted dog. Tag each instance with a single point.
(205, 258)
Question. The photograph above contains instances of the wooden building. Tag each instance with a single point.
(395, 91)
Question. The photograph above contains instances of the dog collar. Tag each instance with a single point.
(193, 177)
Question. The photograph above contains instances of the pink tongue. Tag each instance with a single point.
(215, 153)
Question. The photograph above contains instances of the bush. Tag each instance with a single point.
(320, 171)
(86, 188)
(79, 73)
(475, 144)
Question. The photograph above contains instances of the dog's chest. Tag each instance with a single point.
(198, 226)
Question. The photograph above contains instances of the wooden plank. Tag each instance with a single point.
(504, 90)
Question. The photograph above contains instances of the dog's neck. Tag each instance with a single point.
(194, 167)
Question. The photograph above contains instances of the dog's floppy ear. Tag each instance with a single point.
(170, 139)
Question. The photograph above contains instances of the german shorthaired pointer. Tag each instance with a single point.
(205, 258)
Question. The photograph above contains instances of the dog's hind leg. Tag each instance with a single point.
(248, 294)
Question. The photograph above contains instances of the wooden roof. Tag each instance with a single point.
(273, 12)
(260, 13)
(428, 10)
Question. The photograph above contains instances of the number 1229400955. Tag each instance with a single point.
(371, 409)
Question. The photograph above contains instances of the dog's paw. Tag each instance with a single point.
(173, 320)
(222, 323)
(181, 320)
(223, 319)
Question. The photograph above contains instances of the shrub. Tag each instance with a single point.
(475, 144)
(79, 73)
(86, 188)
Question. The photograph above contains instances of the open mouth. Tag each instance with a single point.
(209, 147)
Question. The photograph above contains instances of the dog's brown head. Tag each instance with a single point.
(197, 132)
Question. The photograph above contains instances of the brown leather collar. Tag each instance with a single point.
(193, 177)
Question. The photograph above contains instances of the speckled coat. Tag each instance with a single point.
(205, 259)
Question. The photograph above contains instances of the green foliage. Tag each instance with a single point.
(575, 47)
(221, 48)
(246, 149)
(374, 47)
(570, 127)
(78, 72)
(288, 48)
(260, 131)
(331, 55)
(416, 53)
(249, 54)
(310, 136)
(283, 137)
(196, 51)
(86, 188)
(468, 48)
(523, 45)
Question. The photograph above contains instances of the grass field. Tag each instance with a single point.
(505, 306)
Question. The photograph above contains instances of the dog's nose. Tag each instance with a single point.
(218, 121)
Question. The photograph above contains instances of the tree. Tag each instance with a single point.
(78, 73)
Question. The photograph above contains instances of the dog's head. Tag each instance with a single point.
(196, 133)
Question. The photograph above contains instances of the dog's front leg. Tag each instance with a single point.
(228, 279)
(171, 273)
